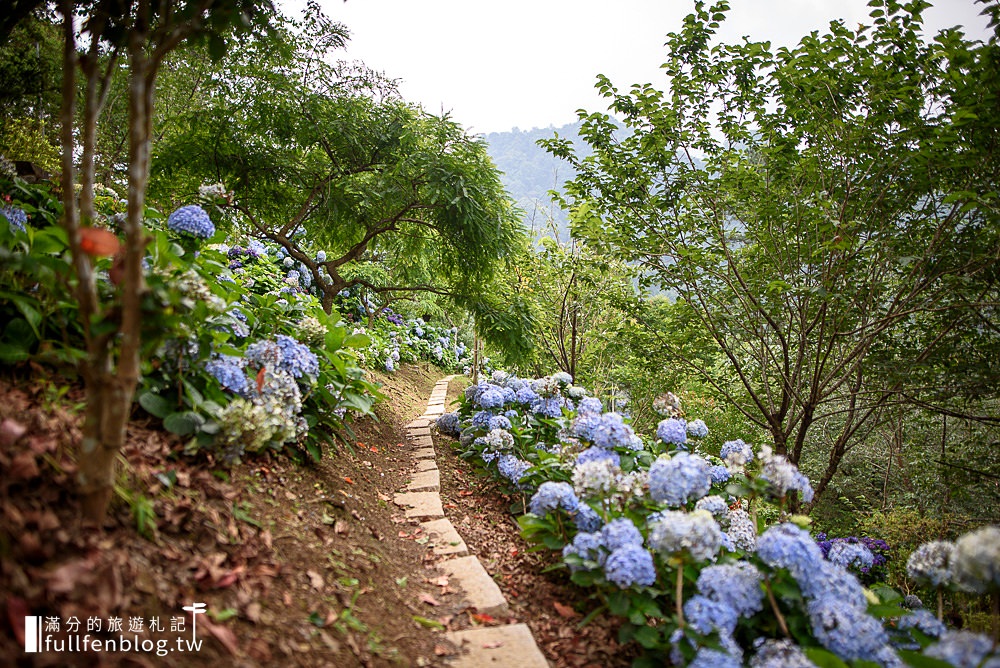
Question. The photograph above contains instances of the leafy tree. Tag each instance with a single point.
(328, 157)
(96, 34)
(828, 213)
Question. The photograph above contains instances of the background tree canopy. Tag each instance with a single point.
(828, 214)
(328, 156)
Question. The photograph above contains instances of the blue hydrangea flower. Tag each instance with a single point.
(963, 649)
(551, 496)
(490, 397)
(321, 256)
(586, 519)
(790, 547)
(524, 396)
(676, 533)
(706, 615)
(263, 354)
(630, 565)
(830, 580)
(780, 653)
(594, 453)
(449, 424)
(718, 474)
(783, 476)
(590, 406)
(697, 429)
(499, 422)
(586, 546)
(551, 407)
(742, 531)
(923, 621)
(481, 419)
(714, 504)
(562, 378)
(610, 432)
(713, 658)
(16, 217)
(846, 631)
(931, 563)
(512, 468)
(736, 585)
(851, 554)
(976, 561)
(192, 221)
(230, 374)
(619, 532)
(672, 430)
(682, 478)
(736, 454)
(297, 359)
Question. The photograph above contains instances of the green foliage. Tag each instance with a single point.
(332, 158)
(824, 212)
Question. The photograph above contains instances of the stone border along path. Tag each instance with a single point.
(501, 646)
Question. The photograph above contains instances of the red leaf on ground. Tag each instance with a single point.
(260, 380)
(483, 618)
(565, 610)
(348, 480)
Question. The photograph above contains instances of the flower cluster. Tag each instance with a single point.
(16, 218)
(191, 220)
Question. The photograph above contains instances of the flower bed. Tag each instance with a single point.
(698, 552)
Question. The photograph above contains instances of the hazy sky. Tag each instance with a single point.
(521, 63)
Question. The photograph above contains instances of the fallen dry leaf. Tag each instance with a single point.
(428, 599)
(223, 634)
(565, 610)
(316, 580)
(10, 431)
(492, 644)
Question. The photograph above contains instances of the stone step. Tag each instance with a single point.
(481, 592)
(444, 538)
(420, 504)
(499, 646)
(422, 441)
(425, 481)
(424, 453)
(418, 423)
(426, 465)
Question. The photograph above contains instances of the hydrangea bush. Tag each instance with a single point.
(674, 541)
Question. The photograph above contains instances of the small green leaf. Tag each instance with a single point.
(428, 623)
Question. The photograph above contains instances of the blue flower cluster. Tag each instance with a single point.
(229, 372)
(16, 218)
(296, 358)
(191, 220)
(552, 496)
(680, 479)
(630, 565)
(449, 424)
(672, 431)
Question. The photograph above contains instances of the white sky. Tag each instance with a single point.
(532, 63)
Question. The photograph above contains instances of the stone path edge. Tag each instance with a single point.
(505, 645)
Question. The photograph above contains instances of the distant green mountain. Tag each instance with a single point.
(529, 172)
